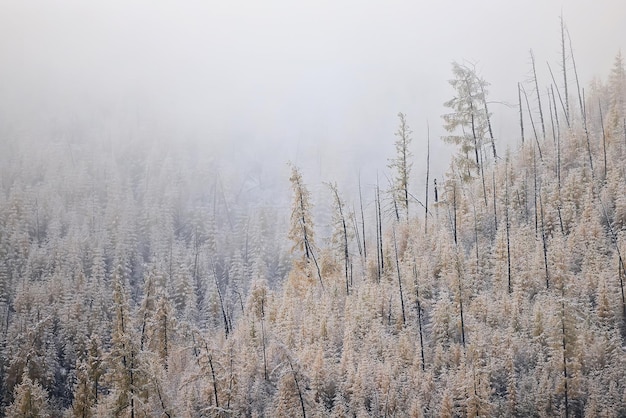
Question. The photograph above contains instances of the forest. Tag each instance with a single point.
(136, 281)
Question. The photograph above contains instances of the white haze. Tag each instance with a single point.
(263, 82)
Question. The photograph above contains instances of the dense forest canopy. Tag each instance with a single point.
(138, 279)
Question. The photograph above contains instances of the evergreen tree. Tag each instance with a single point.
(401, 164)
(468, 122)
(30, 400)
(301, 230)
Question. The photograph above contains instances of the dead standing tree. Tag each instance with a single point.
(301, 229)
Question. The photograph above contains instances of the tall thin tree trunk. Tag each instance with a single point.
(563, 64)
(532, 123)
(344, 227)
(395, 246)
(535, 194)
(543, 126)
(419, 313)
(493, 142)
(380, 229)
(560, 98)
(508, 226)
(132, 384)
(580, 99)
(295, 379)
(564, 347)
(495, 207)
(378, 269)
(221, 299)
(427, 178)
(263, 337)
(603, 138)
(587, 135)
(454, 211)
(217, 403)
(317, 265)
(357, 232)
(482, 176)
(461, 305)
(551, 118)
(521, 112)
(362, 219)
(476, 239)
(621, 273)
(558, 145)
(544, 240)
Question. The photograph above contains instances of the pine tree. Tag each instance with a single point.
(469, 116)
(30, 400)
(401, 164)
(301, 230)
(340, 234)
(123, 358)
(617, 92)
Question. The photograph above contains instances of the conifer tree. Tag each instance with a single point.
(617, 98)
(301, 230)
(401, 164)
(30, 401)
(123, 358)
(468, 122)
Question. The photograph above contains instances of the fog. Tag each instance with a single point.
(262, 83)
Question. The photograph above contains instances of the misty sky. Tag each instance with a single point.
(315, 82)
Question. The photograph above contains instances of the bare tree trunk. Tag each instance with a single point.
(362, 219)
(563, 64)
(580, 99)
(495, 208)
(545, 241)
(551, 118)
(395, 246)
(132, 384)
(217, 403)
(521, 113)
(532, 123)
(295, 379)
(476, 238)
(454, 210)
(461, 306)
(395, 207)
(263, 337)
(317, 266)
(564, 346)
(221, 299)
(419, 314)
(535, 194)
(621, 285)
(543, 127)
(603, 138)
(493, 142)
(380, 229)
(558, 144)
(482, 176)
(458, 267)
(560, 98)
(344, 227)
(427, 179)
(357, 233)
(587, 135)
(378, 269)
(508, 225)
